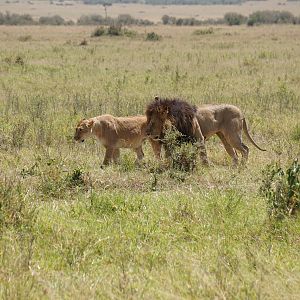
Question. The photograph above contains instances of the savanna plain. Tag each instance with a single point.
(72, 230)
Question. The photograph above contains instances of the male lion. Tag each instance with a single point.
(115, 133)
(181, 115)
(227, 121)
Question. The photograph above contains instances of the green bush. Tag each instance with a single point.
(114, 30)
(181, 153)
(204, 31)
(76, 178)
(54, 20)
(16, 19)
(91, 20)
(232, 18)
(282, 189)
(152, 36)
(168, 20)
(98, 32)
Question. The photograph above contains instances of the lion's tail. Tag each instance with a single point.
(245, 128)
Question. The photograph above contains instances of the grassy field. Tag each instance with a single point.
(71, 230)
(38, 8)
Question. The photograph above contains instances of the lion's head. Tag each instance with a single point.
(83, 130)
(179, 113)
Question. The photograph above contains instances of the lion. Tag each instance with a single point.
(115, 133)
(224, 120)
(181, 115)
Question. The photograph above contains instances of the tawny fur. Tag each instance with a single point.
(228, 122)
(115, 133)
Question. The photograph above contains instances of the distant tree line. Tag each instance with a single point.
(165, 2)
(123, 19)
(167, 20)
(25, 19)
(232, 18)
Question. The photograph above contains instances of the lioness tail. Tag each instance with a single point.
(245, 128)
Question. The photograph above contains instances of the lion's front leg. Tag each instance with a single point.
(116, 156)
(108, 156)
(140, 154)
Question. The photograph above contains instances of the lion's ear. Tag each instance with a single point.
(90, 123)
(156, 98)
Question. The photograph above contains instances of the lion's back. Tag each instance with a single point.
(122, 132)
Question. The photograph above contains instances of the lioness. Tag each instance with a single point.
(115, 133)
(227, 121)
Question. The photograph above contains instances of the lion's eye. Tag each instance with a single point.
(80, 129)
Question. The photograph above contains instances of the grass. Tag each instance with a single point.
(69, 229)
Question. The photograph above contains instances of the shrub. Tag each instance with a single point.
(271, 17)
(152, 36)
(84, 42)
(54, 20)
(76, 178)
(91, 20)
(282, 189)
(122, 20)
(129, 33)
(25, 38)
(98, 32)
(181, 152)
(165, 19)
(232, 18)
(204, 31)
(114, 30)
(16, 19)
(19, 60)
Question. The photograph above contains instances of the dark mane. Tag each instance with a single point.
(180, 113)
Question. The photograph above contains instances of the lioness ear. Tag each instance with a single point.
(90, 123)
(156, 98)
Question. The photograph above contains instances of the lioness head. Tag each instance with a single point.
(83, 130)
(157, 114)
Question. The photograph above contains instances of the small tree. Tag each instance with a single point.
(105, 5)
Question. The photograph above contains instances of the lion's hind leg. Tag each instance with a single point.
(229, 149)
(236, 142)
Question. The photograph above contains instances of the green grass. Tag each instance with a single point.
(69, 229)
